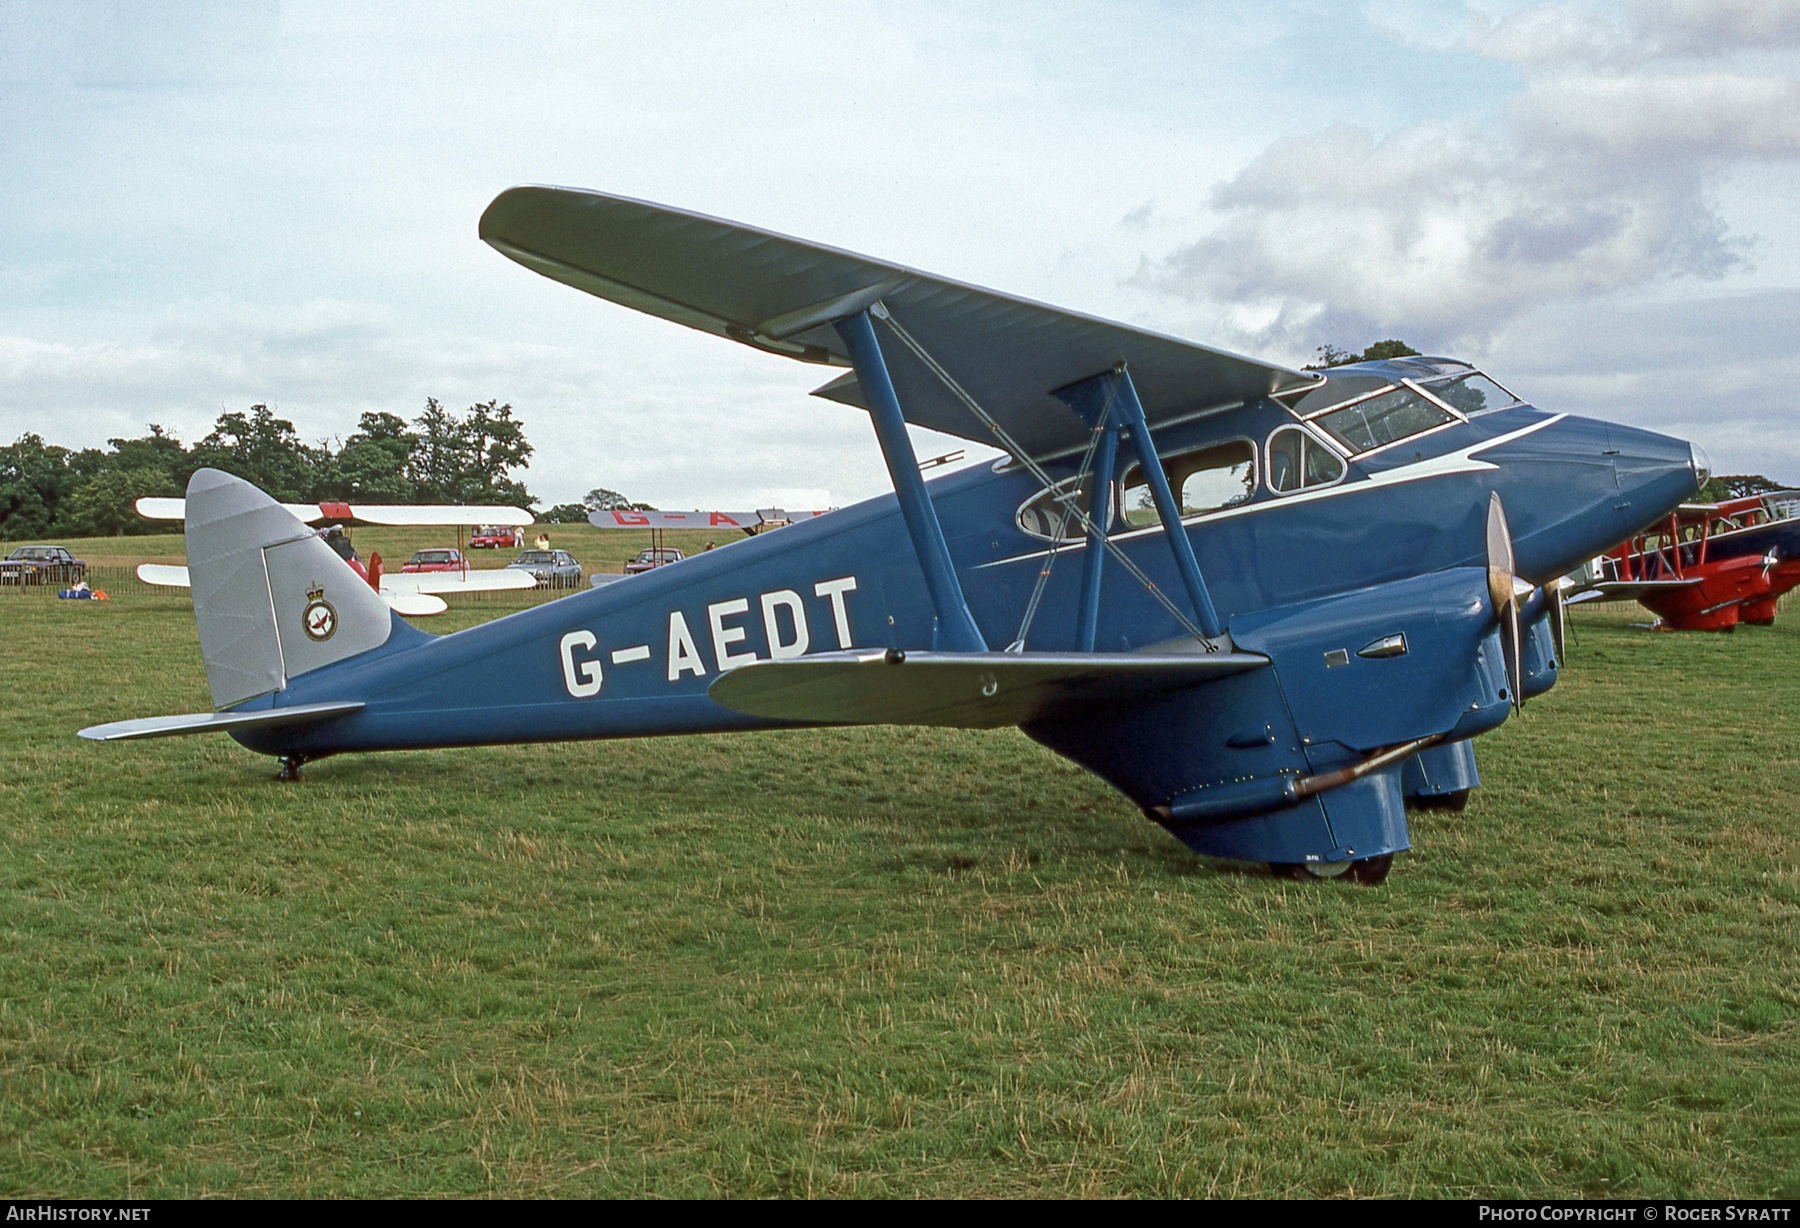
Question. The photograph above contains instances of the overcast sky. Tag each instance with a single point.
(226, 203)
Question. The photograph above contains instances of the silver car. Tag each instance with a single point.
(553, 568)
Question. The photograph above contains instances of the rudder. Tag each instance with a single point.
(271, 599)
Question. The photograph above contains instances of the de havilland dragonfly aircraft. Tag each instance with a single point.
(1270, 606)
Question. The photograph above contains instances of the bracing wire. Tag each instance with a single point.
(1061, 535)
(880, 311)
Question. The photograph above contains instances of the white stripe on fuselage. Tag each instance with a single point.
(1461, 461)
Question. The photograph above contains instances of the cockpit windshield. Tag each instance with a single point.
(1383, 419)
(1473, 394)
(1367, 409)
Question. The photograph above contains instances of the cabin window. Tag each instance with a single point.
(1382, 419)
(1221, 476)
(1043, 513)
(1473, 394)
(1297, 461)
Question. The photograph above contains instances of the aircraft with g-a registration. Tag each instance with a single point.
(416, 595)
(1271, 606)
(763, 520)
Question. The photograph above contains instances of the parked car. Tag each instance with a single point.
(41, 565)
(652, 557)
(436, 560)
(495, 537)
(553, 568)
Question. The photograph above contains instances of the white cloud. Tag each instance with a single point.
(1715, 27)
(1646, 124)
(1439, 231)
(1718, 370)
(1547, 37)
(1593, 180)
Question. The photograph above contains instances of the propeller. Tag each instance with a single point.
(1559, 619)
(1503, 586)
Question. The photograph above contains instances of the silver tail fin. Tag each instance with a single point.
(272, 600)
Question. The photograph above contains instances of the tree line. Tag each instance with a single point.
(438, 457)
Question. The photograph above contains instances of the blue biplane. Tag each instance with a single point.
(1270, 606)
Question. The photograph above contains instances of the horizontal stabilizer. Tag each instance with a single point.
(209, 722)
(965, 690)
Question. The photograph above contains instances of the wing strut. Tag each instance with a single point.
(956, 629)
(1100, 503)
(1090, 398)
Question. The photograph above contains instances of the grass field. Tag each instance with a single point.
(884, 962)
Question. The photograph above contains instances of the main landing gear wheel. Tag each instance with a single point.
(1457, 800)
(1367, 871)
(1370, 871)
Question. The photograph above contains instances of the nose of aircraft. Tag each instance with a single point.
(1703, 466)
(1656, 473)
(1629, 479)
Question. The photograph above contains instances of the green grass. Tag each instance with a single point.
(884, 962)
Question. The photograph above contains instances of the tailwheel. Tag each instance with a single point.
(290, 767)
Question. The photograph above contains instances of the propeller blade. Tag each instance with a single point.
(1503, 592)
(1512, 649)
(1559, 620)
(1500, 560)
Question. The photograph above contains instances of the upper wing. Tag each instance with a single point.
(749, 522)
(366, 513)
(781, 294)
(624, 518)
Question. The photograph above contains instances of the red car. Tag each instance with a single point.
(436, 560)
(495, 537)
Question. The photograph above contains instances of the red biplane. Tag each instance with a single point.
(1706, 567)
